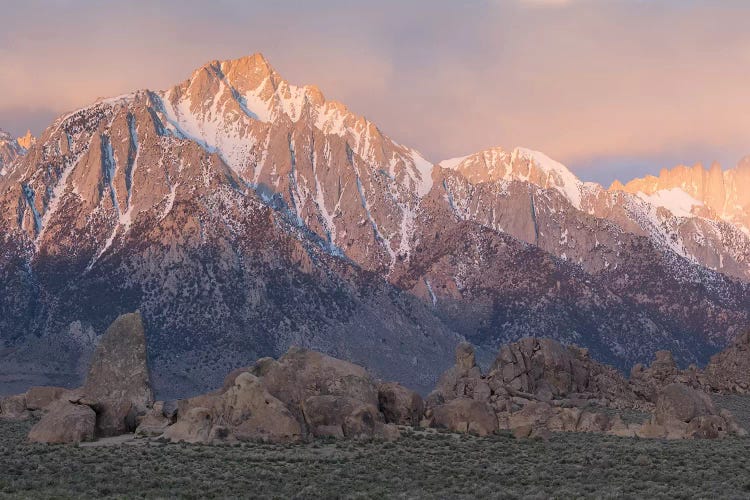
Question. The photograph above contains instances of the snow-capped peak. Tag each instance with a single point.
(526, 165)
(228, 106)
(558, 175)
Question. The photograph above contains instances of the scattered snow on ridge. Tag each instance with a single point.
(499, 165)
(453, 163)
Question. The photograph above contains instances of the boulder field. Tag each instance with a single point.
(535, 387)
(117, 392)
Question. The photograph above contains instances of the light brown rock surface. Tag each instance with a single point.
(249, 412)
(156, 420)
(463, 379)
(65, 422)
(686, 413)
(39, 398)
(465, 415)
(680, 402)
(300, 373)
(548, 370)
(118, 380)
(193, 426)
(303, 394)
(729, 370)
(400, 405)
(13, 408)
(340, 416)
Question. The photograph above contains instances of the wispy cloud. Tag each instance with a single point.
(546, 3)
(598, 80)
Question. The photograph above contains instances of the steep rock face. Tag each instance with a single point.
(337, 173)
(121, 203)
(494, 289)
(118, 381)
(242, 215)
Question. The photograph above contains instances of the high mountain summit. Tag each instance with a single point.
(242, 214)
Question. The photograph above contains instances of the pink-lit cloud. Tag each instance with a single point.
(587, 82)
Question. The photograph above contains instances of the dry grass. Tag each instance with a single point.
(420, 465)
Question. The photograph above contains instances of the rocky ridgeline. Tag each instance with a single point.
(535, 387)
(539, 386)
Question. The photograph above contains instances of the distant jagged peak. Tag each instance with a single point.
(689, 189)
(20, 145)
(10, 150)
(26, 141)
(694, 180)
(521, 164)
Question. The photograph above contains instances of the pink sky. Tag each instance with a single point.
(611, 88)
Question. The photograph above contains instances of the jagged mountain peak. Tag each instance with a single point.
(236, 209)
(235, 107)
(260, 91)
(27, 140)
(687, 190)
(521, 164)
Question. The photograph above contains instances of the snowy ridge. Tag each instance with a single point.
(222, 108)
(676, 200)
(521, 164)
(558, 175)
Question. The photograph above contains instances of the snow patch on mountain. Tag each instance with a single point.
(558, 175)
(675, 200)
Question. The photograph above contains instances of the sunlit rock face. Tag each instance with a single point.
(242, 214)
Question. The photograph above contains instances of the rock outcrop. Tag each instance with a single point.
(40, 398)
(463, 379)
(304, 394)
(14, 408)
(118, 380)
(339, 238)
(116, 396)
(160, 416)
(194, 426)
(729, 370)
(464, 415)
(546, 370)
(300, 373)
(245, 411)
(538, 386)
(646, 382)
(65, 422)
(400, 405)
(686, 413)
(21, 406)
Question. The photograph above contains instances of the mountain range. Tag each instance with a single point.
(242, 214)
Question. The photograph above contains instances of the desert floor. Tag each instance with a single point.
(419, 465)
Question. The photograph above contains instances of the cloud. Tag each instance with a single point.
(591, 85)
(546, 3)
